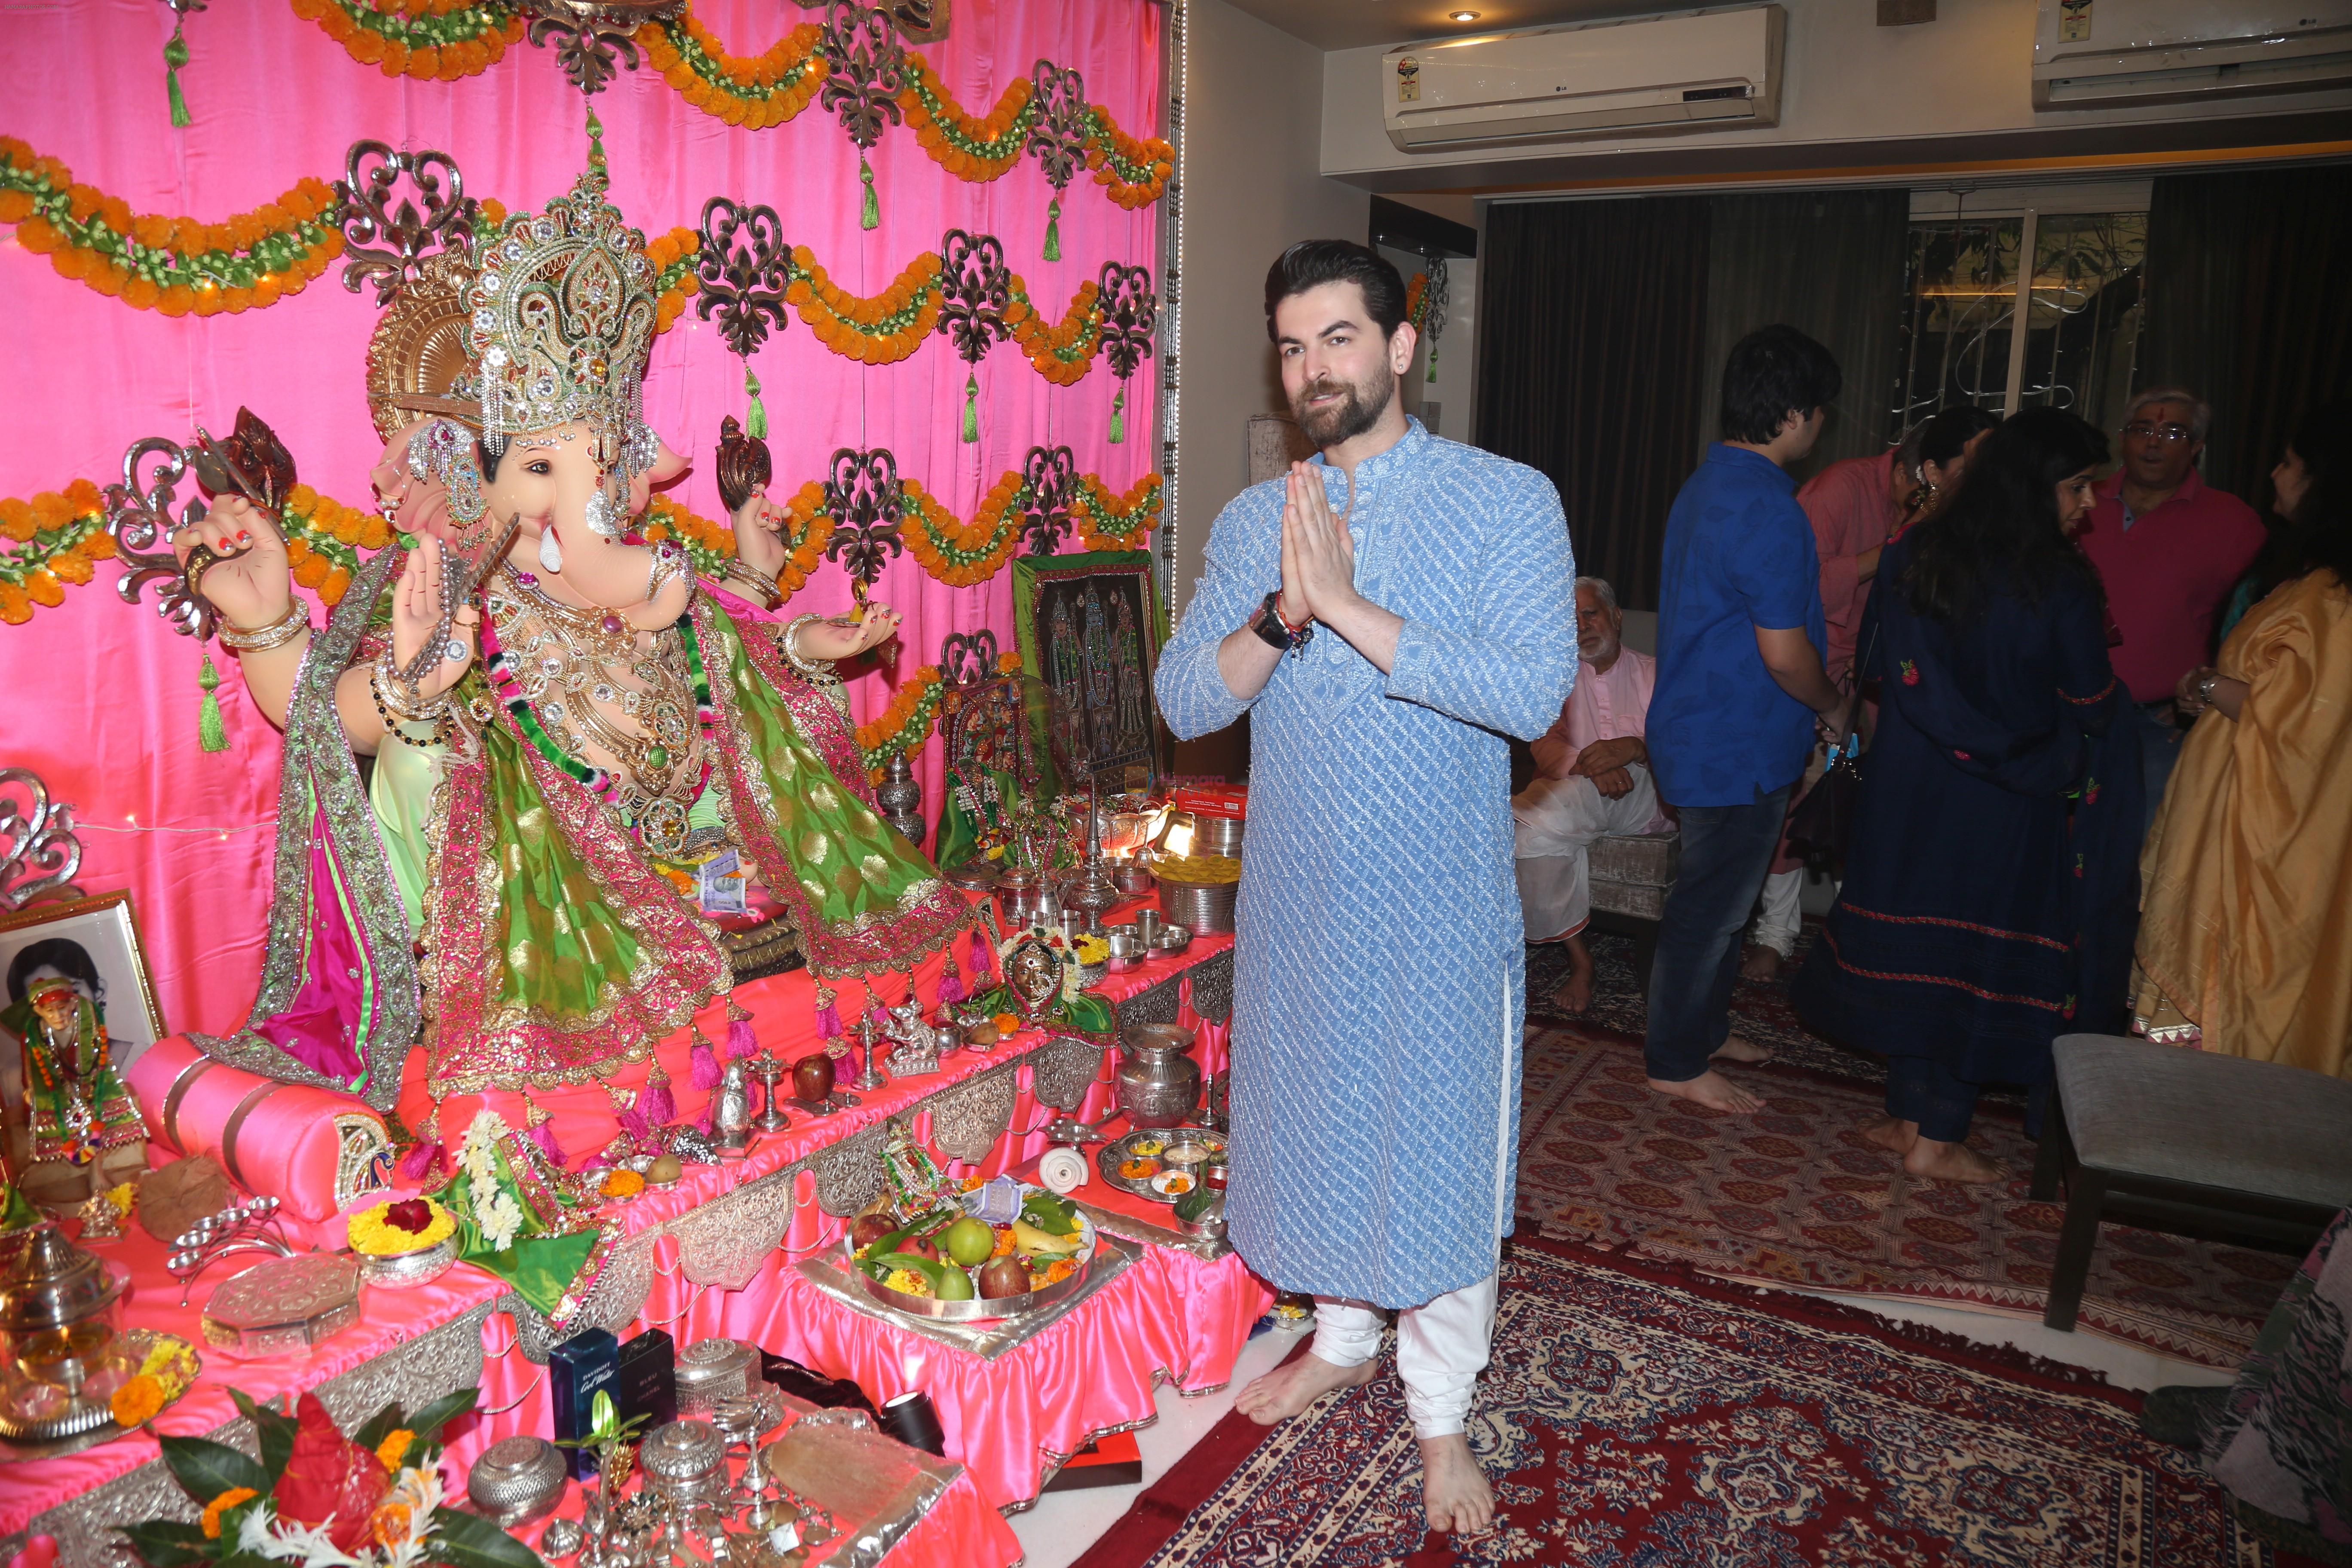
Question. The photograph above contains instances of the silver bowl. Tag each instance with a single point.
(515, 1480)
(1131, 877)
(1127, 949)
(407, 1270)
(1173, 940)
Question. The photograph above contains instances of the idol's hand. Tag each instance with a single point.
(842, 639)
(760, 535)
(1320, 544)
(417, 615)
(249, 584)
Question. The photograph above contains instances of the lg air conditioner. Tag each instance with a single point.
(1691, 71)
(2104, 54)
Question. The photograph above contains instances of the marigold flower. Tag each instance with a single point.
(390, 1525)
(394, 1449)
(137, 1402)
(221, 1505)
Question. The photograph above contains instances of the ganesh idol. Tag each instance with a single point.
(581, 753)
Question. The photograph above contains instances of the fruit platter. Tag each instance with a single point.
(956, 1263)
(1161, 1164)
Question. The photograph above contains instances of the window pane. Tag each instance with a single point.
(1958, 319)
(2082, 327)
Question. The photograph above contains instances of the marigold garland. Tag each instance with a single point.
(755, 93)
(881, 329)
(1133, 173)
(426, 40)
(906, 723)
(174, 265)
(968, 148)
(54, 540)
(1064, 351)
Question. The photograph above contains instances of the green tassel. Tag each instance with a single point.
(1118, 417)
(1433, 365)
(175, 55)
(1054, 229)
(972, 406)
(212, 734)
(871, 216)
(755, 423)
(596, 140)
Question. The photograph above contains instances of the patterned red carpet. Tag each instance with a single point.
(1643, 1418)
(1796, 1196)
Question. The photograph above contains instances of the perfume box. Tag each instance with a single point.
(577, 1369)
(648, 1379)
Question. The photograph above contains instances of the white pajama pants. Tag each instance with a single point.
(1554, 821)
(1781, 915)
(1441, 1349)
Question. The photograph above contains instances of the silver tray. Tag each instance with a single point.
(1108, 1158)
(978, 1311)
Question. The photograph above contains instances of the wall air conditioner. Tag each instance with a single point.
(1649, 75)
(2104, 54)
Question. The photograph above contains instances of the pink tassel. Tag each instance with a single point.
(424, 1160)
(656, 1106)
(541, 1131)
(983, 959)
(637, 1125)
(828, 1015)
(706, 1074)
(951, 989)
(740, 1040)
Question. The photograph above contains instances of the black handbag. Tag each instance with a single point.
(1820, 828)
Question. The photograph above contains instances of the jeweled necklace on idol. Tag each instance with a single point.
(651, 802)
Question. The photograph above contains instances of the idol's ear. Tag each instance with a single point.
(667, 469)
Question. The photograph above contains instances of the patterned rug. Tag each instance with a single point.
(1643, 1418)
(1795, 1195)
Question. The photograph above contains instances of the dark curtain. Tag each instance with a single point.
(1829, 264)
(1592, 323)
(2250, 305)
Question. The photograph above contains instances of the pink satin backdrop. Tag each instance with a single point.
(102, 699)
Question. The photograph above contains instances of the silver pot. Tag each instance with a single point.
(515, 1480)
(1159, 1084)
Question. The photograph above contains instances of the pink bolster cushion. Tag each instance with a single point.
(317, 1151)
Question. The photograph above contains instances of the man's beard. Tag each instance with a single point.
(1359, 409)
(1604, 651)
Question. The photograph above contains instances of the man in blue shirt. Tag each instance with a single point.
(1741, 682)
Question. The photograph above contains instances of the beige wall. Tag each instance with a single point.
(1254, 118)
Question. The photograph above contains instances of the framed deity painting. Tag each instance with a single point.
(1090, 627)
(91, 947)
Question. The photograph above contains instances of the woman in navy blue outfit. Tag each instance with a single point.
(1992, 881)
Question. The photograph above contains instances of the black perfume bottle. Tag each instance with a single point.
(576, 1370)
(648, 1382)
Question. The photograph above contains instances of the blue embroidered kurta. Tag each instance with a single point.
(1379, 984)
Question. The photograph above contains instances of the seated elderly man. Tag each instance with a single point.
(1592, 779)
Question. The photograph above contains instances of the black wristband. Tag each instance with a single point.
(1268, 624)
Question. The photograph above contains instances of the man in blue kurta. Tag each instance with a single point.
(1740, 636)
(1386, 615)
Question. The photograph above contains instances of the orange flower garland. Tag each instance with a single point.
(426, 40)
(969, 149)
(957, 554)
(673, 257)
(880, 329)
(1134, 174)
(755, 93)
(905, 723)
(174, 265)
(64, 533)
(1063, 352)
(1137, 511)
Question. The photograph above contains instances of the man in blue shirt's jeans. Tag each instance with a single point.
(1740, 682)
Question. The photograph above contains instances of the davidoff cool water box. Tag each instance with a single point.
(576, 1369)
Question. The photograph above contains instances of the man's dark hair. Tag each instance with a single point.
(2000, 533)
(62, 954)
(1771, 371)
(1945, 435)
(1311, 263)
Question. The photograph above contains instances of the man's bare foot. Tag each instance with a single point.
(1941, 1161)
(1712, 1089)
(1575, 993)
(1761, 963)
(1892, 1134)
(1454, 1491)
(1735, 1049)
(1294, 1385)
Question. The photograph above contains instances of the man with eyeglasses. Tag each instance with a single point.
(2168, 548)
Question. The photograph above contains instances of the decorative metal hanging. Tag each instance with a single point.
(1434, 302)
(866, 70)
(1130, 314)
(1057, 138)
(388, 244)
(975, 286)
(862, 498)
(139, 519)
(917, 21)
(594, 38)
(40, 857)
(744, 266)
(1049, 482)
(966, 658)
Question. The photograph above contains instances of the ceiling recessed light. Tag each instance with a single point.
(1463, 16)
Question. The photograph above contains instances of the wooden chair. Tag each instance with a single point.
(2191, 1144)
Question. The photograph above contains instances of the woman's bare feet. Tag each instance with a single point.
(1938, 1161)
(1296, 1384)
(1575, 993)
(1761, 963)
(1892, 1134)
(1712, 1089)
(1735, 1049)
(1454, 1491)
